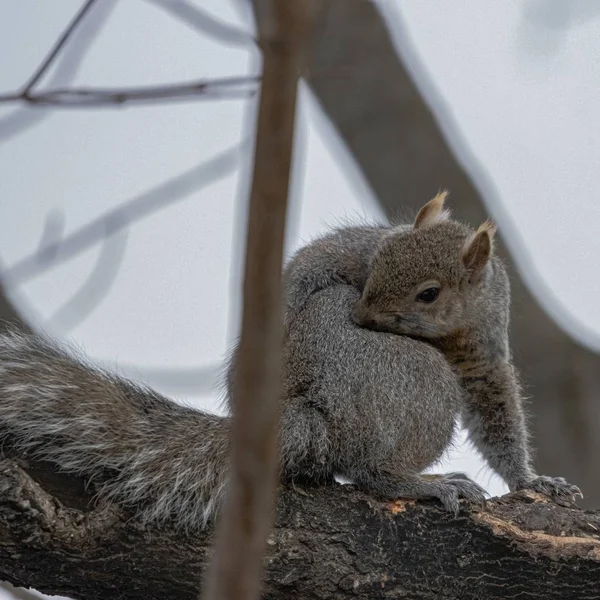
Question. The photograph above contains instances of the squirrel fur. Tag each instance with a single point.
(467, 319)
(373, 384)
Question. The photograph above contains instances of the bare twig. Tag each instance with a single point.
(236, 571)
(65, 69)
(64, 38)
(117, 219)
(202, 21)
(228, 87)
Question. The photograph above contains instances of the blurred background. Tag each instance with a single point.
(122, 224)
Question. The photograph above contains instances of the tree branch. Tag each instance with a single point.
(231, 87)
(220, 89)
(247, 516)
(64, 38)
(328, 543)
(65, 68)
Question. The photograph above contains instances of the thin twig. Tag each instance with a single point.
(236, 571)
(117, 219)
(47, 62)
(201, 20)
(65, 68)
(227, 87)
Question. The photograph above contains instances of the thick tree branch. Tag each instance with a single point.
(328, 543)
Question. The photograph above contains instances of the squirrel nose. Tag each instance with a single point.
(357, 315)
(360, 316)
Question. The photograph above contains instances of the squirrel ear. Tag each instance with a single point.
(478, 248)
(432, 212)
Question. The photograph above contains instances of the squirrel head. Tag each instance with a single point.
(425, 279)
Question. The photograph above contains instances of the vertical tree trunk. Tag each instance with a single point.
(247, 517)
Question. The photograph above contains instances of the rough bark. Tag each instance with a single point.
(387, 124)
(331, 542)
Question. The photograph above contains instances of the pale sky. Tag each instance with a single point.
(515, 83)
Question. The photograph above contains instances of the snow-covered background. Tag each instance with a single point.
(517, 84)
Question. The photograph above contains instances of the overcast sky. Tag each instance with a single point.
(516, 83)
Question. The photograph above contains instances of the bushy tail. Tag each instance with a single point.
(142, 450)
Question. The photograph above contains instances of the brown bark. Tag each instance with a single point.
(388, 126)
(332, 542)
(247, 517)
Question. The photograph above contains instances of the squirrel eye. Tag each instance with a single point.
(429, 295)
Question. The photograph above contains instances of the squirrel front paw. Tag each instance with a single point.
(452, 487)
(557, 488)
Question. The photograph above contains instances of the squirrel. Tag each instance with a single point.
(374, 379)
(437, 281)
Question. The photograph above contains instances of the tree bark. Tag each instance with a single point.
(330, 542)
(387, 124)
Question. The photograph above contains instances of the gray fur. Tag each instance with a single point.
(468, 324)
(340, 256)
(139, 448)
(357, 404)
(358, 399)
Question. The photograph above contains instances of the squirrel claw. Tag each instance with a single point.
(556, 488)
(456, 486)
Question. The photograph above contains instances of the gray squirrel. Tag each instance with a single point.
(391, 334)
(439, 282)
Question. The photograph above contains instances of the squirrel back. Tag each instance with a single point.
(358, 402)
(341, 256)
